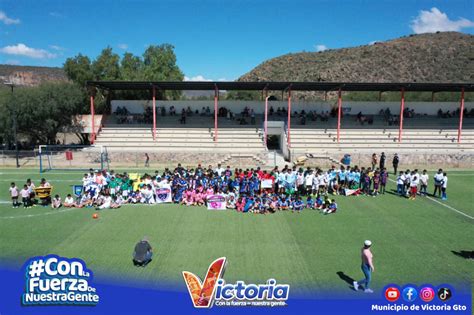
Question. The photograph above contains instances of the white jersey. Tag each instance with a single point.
(424, 179)
(309, 179)
(445, 182)
(438, 178)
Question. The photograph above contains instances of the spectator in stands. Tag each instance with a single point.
(203, 111)
(395, 162)
(189, 111)
(271, 111)
(208, 111)
(172, 110)
(183, 117)
(252, 116)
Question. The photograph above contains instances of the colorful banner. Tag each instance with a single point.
(266, 183)
(163, 194)
(216, 202)
(43, 192)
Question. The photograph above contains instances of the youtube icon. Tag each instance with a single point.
(392, 294)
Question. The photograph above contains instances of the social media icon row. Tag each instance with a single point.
(410, 294)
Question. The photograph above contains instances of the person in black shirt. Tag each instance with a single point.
(395, 163)
(142, 253)
(382, 161)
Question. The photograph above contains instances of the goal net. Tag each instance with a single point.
(72, 157)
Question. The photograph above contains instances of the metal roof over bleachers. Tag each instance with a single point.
(280, 86)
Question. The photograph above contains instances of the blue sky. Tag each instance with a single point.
(214, 39)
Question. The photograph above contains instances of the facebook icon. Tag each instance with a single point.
(410, 294)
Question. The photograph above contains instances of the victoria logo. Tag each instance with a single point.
(214, 290)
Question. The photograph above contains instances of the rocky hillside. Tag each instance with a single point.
(440, 57)
(30, 76)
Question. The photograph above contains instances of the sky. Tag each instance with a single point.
(214, 39)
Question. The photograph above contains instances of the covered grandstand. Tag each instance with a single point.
(328, 130)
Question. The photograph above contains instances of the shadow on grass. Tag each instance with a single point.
(466, 254)
(347, 279)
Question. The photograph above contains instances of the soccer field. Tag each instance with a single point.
(414, 241)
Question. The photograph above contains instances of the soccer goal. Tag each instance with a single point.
(72, 157)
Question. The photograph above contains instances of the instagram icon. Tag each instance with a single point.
(427, 294)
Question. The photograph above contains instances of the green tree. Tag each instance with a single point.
(107, 66)
(160, 65)
(79, 69)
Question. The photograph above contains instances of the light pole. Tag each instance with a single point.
(13, 113)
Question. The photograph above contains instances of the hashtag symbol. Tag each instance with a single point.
(36, 268)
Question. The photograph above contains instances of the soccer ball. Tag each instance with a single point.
(95, 216)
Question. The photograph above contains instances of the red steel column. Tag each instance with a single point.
(265, 126)
(93, 119)
(154, 113)
(339, 110)
(289, 118)
(402, 108)
(461, 114)
(216, 94)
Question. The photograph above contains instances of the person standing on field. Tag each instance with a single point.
(367, 268)
(382, 161)
(395, 162)
(374, 161)
(147, 160)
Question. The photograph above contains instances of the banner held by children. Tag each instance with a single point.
(216, 202)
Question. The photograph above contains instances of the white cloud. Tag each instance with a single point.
(373, 42)
(13, 62)
(6, 20)
(320, 47)
(56, 14)
(435, 20)
(23, 50)
(122, 46)
(196, 78)
(58, 48)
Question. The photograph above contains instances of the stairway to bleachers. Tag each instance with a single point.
(363, 140)
(140, 138)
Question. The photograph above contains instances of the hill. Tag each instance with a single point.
(31, 76)
(439, 57)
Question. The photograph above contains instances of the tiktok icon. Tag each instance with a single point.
(444, 294)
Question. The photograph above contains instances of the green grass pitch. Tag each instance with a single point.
(414, 241)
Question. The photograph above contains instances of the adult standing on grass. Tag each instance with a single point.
(382, 161)
(367, 268)
(374, 161)
(438, 182)
(147, 160)
(395, 162)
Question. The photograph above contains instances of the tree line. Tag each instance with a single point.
(43, 111)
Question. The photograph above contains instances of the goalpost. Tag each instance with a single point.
(72, 157)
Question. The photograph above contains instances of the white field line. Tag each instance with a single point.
(444, 205)
(38, 214)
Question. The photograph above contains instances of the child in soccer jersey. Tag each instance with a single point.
(56, 202)
(25, 196)
(383, 180)
(14, 193)
(366, 181)
(424, 183)
(249, 202)
(319, 202)
(414, 181)
(332, 207)
(298, 205)
(231, 202)
(188, 197)
(240, 204)
(198, 200)
(309, 202)
(69, 202)
(444, 186)
(283, 204)
(376, 183)
(256, 205)
(116, 202)
(273, 204)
